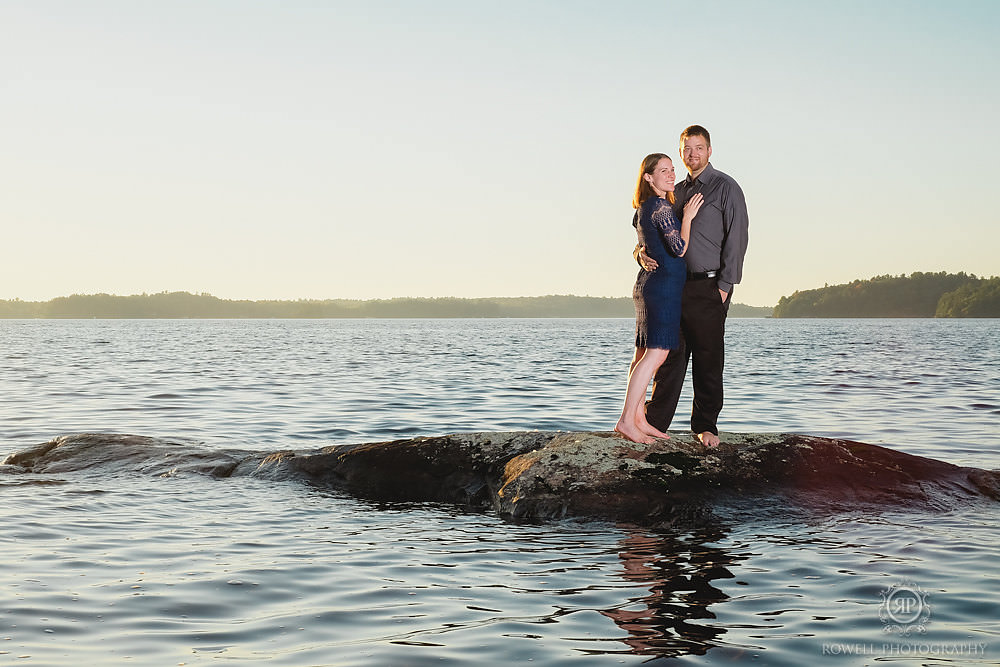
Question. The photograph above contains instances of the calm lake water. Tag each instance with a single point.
(115, 565)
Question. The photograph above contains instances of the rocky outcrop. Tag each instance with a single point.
(542, 475)
(531, 474)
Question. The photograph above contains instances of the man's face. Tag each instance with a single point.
(695, 152)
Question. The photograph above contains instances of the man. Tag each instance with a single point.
(715, 263)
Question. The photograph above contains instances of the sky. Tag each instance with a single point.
(283, 149)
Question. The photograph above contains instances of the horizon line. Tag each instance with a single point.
(291, 300)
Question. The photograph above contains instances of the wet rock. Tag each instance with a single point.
(113, 452)
(462, 468)
(557, 474)
(546, 474)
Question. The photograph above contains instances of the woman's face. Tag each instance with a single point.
(662, 178)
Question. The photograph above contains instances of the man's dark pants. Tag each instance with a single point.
(703, 330)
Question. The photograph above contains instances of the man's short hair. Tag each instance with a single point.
(696, 131)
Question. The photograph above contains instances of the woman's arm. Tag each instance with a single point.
(676, 233)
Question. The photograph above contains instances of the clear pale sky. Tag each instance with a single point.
(274, 149)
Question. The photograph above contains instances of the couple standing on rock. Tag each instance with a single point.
(684, 288)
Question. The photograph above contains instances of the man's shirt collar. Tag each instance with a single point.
(706, 176)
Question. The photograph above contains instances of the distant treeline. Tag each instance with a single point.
(169, 305)
(917, 295)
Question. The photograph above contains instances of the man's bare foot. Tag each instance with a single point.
(708, 439)
(632, 433)
(649, 429)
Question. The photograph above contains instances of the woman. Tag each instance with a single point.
(657, 294)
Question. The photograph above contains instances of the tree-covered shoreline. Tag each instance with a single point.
(916, 295)
(181, 305)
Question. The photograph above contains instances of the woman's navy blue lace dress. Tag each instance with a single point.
(657, 294)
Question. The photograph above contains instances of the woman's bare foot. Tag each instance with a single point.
(643, 424)
(649, 429)
(708, 439)
(632, 433)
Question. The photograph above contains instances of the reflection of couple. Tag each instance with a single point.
(679, 570)
(692, 239)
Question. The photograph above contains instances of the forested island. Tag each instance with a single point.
(173, 305)
(917, 295)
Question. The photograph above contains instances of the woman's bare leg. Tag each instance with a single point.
(640, 410)
(627, 427)
(643, 369)
(639, 351)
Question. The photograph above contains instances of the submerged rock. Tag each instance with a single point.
(532, 474)
(112, 452)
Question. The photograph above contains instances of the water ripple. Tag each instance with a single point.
(189, 569)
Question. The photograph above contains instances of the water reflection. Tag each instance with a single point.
(678, 569)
